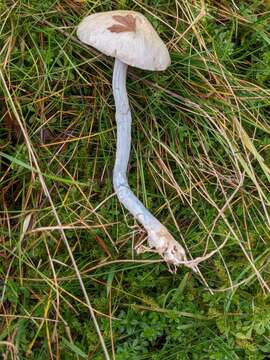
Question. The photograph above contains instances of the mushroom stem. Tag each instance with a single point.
(159, 237)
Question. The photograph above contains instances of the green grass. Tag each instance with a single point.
(200, 161)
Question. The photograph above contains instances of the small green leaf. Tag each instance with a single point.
(74, 348)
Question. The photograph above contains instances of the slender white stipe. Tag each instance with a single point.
(159, 237)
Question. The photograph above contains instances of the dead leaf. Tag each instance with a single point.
(10, 123)
(128, 23)
(103, 245)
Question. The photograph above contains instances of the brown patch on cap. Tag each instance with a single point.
(128, 23)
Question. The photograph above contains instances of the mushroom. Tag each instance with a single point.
(131, 40)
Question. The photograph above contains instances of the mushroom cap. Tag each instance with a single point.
(127, 36)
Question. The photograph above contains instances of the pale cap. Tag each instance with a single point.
(126, 35)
